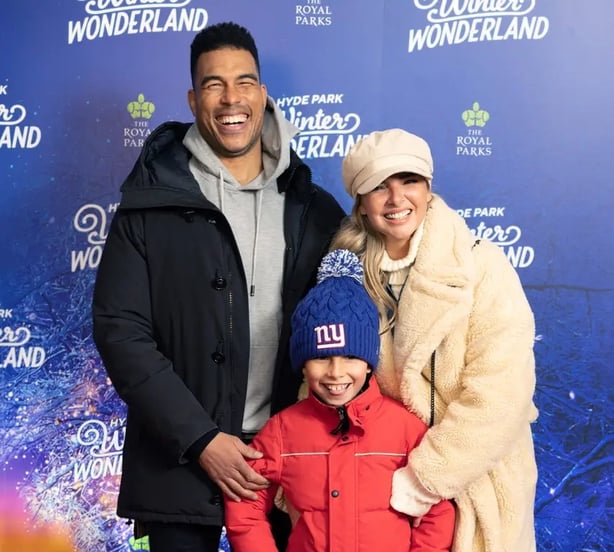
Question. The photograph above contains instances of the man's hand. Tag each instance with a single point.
(224, 461)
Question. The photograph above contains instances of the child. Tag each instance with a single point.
(334, 453)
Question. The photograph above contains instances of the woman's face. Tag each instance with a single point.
(395, 209)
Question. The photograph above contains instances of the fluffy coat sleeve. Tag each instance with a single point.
(465, 302)
(497, 382)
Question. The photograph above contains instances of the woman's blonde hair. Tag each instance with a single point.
(357, 235)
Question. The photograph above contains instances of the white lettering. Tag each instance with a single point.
(479, 29)
(497, 234)
(520, 257)
(322, 123)
(24, 357)
(315, 146)
(91, 219)
(450, 10)
(26, 137)
(97, 468)
(120, 21)
(90, 258)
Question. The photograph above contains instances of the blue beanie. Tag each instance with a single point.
(337, 316)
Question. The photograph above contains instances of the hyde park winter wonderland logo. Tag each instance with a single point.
(13, 133)
(16, 350)
(107, 18)
(326, 128)
(91, 220)
(486, 223)
(461, 21)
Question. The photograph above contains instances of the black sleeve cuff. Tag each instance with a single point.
(193, 452)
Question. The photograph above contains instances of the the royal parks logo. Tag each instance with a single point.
(327, 129)
(313, 13)
(451, 22)
(140, 110)
(14, 133)
(108, 18)
(476, 116)
(475, 142)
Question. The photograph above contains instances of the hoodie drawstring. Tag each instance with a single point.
(259, 196)
(220, 190)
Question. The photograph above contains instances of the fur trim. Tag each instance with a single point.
(409, 496)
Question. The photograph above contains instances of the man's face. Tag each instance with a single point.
(228, 102)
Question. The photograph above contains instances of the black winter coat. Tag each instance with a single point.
(171, 321)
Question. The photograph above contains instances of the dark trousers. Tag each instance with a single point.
(187, 537)
(183, 537)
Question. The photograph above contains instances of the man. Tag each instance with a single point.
(217, 237)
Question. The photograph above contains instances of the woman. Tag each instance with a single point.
(457, 345)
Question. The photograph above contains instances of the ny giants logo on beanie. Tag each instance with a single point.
(336, 317)
(330, 336)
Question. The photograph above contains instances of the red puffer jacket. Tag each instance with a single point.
(339, 483)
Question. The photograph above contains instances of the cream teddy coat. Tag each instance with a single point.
(464, 301)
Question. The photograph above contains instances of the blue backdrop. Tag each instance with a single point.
(515, 97)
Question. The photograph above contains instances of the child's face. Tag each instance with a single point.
(336, 379)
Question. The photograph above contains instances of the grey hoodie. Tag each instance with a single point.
(261, 244)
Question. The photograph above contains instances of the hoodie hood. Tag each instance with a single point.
(277, 132)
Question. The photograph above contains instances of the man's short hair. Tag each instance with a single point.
(222, 35)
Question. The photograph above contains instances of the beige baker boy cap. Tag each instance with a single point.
(382, 154)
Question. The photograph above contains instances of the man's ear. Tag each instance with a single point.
(192, 101)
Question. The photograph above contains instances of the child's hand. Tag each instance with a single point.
(293, 513)
(285, 506)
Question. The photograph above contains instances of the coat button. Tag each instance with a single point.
(219, 283)
(218, 358)
(334, 493)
